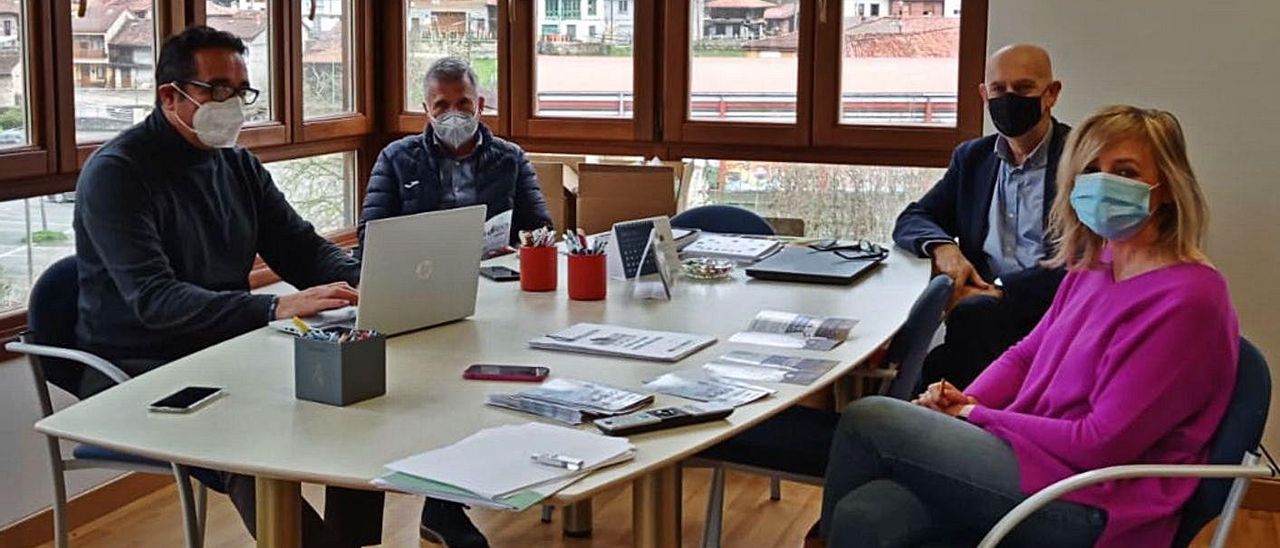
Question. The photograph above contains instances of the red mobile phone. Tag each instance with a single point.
(489, 372)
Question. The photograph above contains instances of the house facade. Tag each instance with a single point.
(600, 21)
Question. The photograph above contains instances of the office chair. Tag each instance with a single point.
(49, 344)
(794, 444)
(723, 219)
(1233, 455)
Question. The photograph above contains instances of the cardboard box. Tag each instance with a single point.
(559, 184)
(611, 193)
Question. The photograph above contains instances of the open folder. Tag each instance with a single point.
(494, 467)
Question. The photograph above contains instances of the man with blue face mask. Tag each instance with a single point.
(984, 223)
(455, 162)
(169, 219)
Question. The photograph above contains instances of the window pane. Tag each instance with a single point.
(13, 77)
(459, 28)
(833, 200)
(113, 66)
(34, 233)
(584, 65)
(743, 60)
(250, 22)
(327, 63)
(319, 187)
(900, 62)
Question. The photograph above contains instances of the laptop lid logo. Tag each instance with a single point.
(424, 269)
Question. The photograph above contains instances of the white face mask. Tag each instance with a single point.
(455, 128)
(216, 123)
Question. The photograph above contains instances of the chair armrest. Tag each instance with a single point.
(89, 360)
(1078, 481)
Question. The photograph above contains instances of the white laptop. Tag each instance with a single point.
(418, 271)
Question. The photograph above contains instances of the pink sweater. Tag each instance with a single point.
(1135, 372)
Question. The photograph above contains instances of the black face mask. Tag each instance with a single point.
(1015, 115)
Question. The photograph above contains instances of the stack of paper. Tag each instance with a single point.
(494, 468)
(787, 330)
(735, 248)
(699, 386)
(572, 401)
(611, 340)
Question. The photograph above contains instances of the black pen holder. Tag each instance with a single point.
(340, 373)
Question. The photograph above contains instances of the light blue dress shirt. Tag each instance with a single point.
(1015, 235)
(457, 178)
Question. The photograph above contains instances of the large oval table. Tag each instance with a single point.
(259, 428)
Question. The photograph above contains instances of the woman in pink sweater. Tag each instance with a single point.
(1134, 363)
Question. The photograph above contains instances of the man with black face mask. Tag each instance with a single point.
(455, 162)
(984, 223)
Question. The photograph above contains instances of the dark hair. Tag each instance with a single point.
(178, 55)
(451, 69)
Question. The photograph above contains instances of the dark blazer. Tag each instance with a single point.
(406, 180)
(958, 207)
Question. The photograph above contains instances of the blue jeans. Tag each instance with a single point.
(904, 475)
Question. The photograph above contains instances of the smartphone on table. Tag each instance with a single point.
(499, 273)
(186, 400)
(494, 372)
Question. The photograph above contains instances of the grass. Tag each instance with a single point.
(48, 237)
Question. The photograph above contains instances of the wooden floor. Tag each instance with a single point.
(751, 519)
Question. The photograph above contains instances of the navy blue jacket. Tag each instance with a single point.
(958, 207)
(504, 180)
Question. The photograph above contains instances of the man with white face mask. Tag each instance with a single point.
(455, 162)
(169, 218)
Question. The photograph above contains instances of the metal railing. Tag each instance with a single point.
(856, 108)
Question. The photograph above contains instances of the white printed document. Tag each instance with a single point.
(735, 248)
(797, 331)
(699, 386)
(753, 367)
(609, 340)
(497, 233)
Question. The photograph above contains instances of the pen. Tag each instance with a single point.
(556, 460)
(302, 326)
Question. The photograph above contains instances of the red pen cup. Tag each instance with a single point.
(538, 268)
(588, 280)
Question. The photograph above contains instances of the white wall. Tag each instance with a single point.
(1213, 64)
(25, 484)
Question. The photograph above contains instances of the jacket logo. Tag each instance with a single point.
(411, 184)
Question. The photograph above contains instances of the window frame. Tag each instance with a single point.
(526, 124)
(679, 128)
(36, 158)
(275, 131)
(398, 117)
(72, 154)
(828, 131)
(357, 122)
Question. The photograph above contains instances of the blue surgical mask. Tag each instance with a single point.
(1112, 206)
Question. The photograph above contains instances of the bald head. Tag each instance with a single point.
(1019, 61)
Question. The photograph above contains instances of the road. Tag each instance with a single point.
(16, 257)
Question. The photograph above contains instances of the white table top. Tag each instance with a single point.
(259, 428)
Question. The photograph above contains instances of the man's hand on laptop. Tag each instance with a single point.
(316, 299)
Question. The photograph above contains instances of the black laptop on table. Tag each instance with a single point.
(804, 264)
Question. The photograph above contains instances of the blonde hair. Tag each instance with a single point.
(1180, 223)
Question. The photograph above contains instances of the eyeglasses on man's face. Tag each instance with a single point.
(222, 92)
